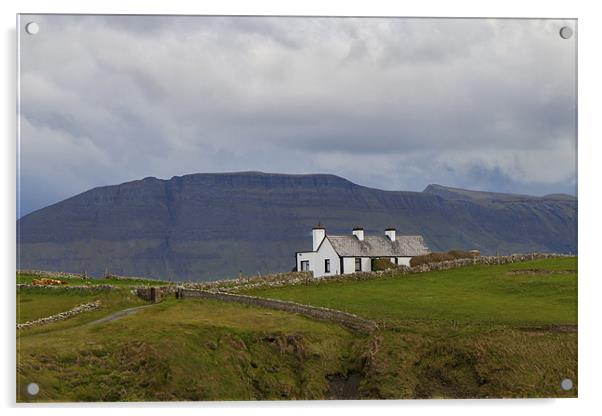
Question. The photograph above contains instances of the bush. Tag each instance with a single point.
(438, 257)
(382, 264)
(461, 254)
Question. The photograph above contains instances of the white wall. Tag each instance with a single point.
(403, 261)
(348, 265)
(326, 251)
(305, 256)
(316, 260)
(366, 264)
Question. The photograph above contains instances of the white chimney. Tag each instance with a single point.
(359, 233)
(390, 232)
(318, 234)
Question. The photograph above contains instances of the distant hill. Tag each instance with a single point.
(207, 226)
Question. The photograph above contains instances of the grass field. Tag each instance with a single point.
(474, 294)
(34, 303)
(478, 331)
(186, 350)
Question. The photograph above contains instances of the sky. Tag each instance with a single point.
(390, 103)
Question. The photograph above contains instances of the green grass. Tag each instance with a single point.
(186, 350)
(478, 331)
(28, 278)
(475, 294)
(427, 360)
(34, 303)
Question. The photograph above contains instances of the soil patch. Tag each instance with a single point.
(343, 387)
(568, 328)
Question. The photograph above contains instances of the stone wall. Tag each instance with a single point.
(44, 273)
(149, 294)
(346, 319)
(155, 293)
(252, 281)
(142, 279)
(299, 278)
(67, 287)
(486, 260)
(396, 271)
(63, 275)
(85, 307)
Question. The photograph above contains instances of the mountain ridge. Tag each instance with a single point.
(208, 225)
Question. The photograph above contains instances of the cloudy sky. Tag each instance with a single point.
(395, 104)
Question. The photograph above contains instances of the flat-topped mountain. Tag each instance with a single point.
(448, 192)
(207, 226)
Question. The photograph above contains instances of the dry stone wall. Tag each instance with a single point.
(82, 276)
(251, 281)
(133, 278)
(486, 260)
(299, 278)
(97, 288)
(346, 319)
(85, 307)
(154, 294)
(44, 273)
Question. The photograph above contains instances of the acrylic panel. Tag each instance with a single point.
(222, 208)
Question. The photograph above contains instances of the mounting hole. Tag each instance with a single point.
(566, 32)
(32, 28)
(566, 384)
(33, 389)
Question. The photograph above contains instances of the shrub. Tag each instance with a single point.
(382, 264)
(462, 254)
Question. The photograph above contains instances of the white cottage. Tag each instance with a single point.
(344, 254)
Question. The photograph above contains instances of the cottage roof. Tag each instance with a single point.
(378, 246)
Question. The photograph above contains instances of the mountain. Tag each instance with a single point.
(207, 226)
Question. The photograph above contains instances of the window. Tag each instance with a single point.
(305, 265)
(327, 266)
(358, 264)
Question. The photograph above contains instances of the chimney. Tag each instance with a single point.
(390, 232)
(318, 234)
(359, 233)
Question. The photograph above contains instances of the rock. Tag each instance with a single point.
(85, 307)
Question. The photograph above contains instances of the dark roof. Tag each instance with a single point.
(378, 246)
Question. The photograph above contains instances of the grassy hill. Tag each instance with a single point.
(536, 292)
(184, 350)
(478, 331)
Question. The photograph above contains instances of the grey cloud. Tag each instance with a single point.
(389, 103)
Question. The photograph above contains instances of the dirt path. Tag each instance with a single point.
(119, 314)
